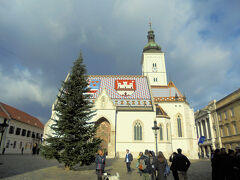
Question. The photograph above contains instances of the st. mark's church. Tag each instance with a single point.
(127, 106)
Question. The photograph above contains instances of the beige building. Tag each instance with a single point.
(23, 131)
(219, 122)
(228, 111)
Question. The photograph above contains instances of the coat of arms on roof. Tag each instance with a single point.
(94, 85)
(125, 87)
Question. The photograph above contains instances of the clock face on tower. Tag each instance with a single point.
(154, 69)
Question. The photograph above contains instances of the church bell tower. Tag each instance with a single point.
(153, 62)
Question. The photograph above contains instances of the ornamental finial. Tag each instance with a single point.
(150, 23)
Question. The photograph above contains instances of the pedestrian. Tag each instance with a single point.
(173, 166)
(237, 164)
(100, 164)
(223, 162)
(38, 150)
(231, 161)
(161, 167)
(138, 161)
(216, 162)
(22, 150)
(128, 160)
(144, 165)
(152, 160)
(3, 151)
(182, 165)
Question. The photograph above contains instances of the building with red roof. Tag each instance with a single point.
(24, 131)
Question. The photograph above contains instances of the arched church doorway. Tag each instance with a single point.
(103, 132)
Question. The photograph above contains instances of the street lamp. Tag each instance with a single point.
(155, 128)
(3, 126)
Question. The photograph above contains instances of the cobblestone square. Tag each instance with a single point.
(28, 167)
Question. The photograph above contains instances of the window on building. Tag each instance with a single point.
(225, 114)
(235, 128)
(18, 131)
(14, 144)
(28, 133)
(161, 132)
(167, 131)
(200, 128)
(229, 133)
(204, 129)
(38, 136)
(8, 143)
(33, 135)
(232, 112)
(209, 129)
(220, 116)
(11, 130)
(179, 126)
(197, 130)
(24, 132)
(222, 132)
(137, 131)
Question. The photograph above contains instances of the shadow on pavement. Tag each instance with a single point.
(11, 165)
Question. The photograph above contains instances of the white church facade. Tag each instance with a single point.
(127, 106)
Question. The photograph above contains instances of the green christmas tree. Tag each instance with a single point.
(74, 139)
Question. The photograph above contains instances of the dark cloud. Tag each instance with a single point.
(39, 40)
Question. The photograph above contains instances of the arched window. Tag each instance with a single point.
(137, 131)
(161, 132)
(179, 126)
(167, 131)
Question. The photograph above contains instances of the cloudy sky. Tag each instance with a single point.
(39, 40)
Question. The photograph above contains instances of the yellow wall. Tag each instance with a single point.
(227, 120)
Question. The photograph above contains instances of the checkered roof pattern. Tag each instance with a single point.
(108, 82)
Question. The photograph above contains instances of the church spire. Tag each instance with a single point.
(151, 36)
(152, 46)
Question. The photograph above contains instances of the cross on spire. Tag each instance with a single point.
(150, 23)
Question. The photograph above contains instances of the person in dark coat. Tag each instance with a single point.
(182, 164)
(231, 161)
(100, 164)
(173, 166)
(153, 160)
(223, 162)
(237, 164)
(128, 160)
(161, 167)
(216, 162)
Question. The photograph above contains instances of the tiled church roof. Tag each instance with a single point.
(160, 112)
(124, 90)
(166, 93)
(3, 113)
(22, 116)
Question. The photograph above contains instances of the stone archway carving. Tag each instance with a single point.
(104, 132)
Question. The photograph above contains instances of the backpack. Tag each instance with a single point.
(142, 165)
